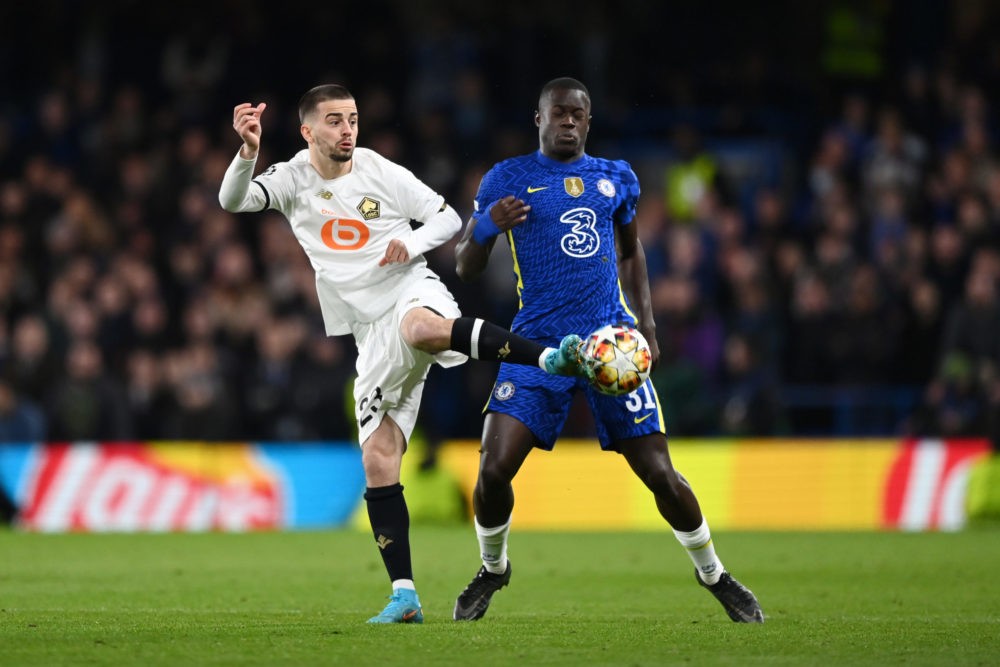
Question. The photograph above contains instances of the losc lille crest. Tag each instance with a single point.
(369, 208)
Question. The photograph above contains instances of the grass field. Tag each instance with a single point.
(575, 599)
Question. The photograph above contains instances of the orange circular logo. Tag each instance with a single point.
(344, 234)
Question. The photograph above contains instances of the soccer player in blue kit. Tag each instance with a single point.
(569, 220)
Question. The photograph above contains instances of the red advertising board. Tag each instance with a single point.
(127, 487)
(926, 485)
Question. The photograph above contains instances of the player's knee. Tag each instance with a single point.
(426, 331)
(663, 480)
(380, 460)
(494, 475)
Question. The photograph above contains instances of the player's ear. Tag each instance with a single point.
(538, 119)
(306, 132)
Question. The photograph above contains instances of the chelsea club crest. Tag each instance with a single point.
(504, 391)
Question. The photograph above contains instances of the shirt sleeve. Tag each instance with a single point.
(490, 190)
(235, 193)
(420, 202)
(629, 183)
(436, 231)
(240, 192)
(415, 198)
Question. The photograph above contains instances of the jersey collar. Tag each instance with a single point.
(562, 166)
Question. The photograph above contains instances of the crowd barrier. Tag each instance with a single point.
(741, 484)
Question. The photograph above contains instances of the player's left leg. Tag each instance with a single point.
(381, 456)
(428, 331)
(649, 458)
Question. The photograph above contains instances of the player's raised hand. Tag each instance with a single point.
(509, 212)
(395, 253)
(246, 122)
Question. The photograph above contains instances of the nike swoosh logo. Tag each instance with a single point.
(639, 420)
(532, 190)
(410, 614)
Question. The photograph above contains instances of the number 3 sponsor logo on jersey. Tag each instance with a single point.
(344, 234)
(581, 241)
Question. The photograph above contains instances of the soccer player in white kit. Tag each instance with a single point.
(351, 209)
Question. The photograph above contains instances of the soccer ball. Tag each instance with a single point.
(619, 357)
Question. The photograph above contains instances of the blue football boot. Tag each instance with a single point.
(568, 359)
(403, 607)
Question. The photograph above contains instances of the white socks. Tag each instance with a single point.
(493, 546)
(403, 583)
(699, 547)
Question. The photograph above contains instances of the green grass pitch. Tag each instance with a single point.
(575, 599)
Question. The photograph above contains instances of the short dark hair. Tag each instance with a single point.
(313, 96)
(563, 83)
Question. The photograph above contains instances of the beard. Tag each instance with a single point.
(338, 155)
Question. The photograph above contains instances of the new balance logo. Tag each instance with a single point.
(382, 541)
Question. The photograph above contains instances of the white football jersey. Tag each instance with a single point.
(345, 224)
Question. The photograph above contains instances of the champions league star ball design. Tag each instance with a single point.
(620, 358)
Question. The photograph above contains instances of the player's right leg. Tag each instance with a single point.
(506, 443)
(426, 330)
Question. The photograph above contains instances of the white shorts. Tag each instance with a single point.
(391, 373)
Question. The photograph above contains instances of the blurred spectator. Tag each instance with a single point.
(960, 399)
(32, 367)
(194, 61)
(685, 393)
(948, 262)
(148, 400)
(973, 326)
(270, 384)
(322, 392)
(87, 404)
(921, 334)
(895, 159)
(861, 338)
(953, 406)
(692, 175)
(203, 408)
(687, 324)
(750, 401)
(21, 420)
(808, 357)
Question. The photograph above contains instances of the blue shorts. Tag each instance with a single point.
(541, 402)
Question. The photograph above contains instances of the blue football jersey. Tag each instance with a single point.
(565, 260)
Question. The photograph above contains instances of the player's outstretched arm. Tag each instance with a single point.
(234, 193)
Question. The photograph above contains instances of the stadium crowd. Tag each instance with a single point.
(133, 307)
